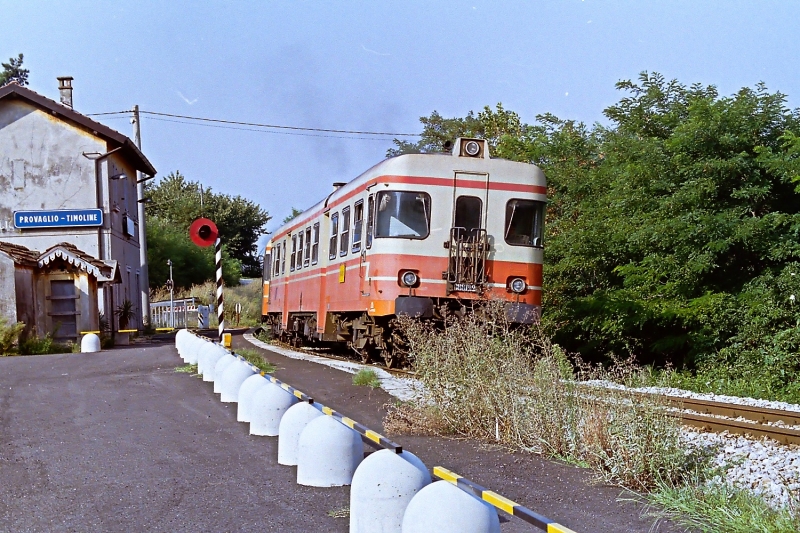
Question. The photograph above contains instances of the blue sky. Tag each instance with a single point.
(375, 66)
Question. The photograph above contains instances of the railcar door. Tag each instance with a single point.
(467, 244)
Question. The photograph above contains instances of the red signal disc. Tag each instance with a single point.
(203, 232)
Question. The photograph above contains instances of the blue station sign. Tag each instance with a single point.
(59, 218)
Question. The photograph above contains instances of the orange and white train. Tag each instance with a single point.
(415, 234)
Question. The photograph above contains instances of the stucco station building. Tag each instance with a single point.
(69, 217)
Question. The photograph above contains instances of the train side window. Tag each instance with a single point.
(294, 253)
(345, 231)
(334, 235)
(370, 220)
(283, 257)
(299, 263)
(525, 223)
(315, 246)
(277, 267)
(307, 252)
(266, 267)
(358, 224)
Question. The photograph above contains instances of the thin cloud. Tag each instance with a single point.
(373, 51)
(190, 102)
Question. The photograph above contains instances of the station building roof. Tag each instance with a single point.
(114, 138)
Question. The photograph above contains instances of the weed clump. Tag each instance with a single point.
(366, 377)
(487, 379)
(256, 359)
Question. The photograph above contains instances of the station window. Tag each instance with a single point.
(299, 263)
(358, 224)
(334, 235)
(315, 246)
(307, 252)
(294, 253)
(345, 231)
(370, 220)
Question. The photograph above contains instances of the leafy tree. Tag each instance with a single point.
(240, 221)
(190, 263)
(495, 126)
(295, 213)
(672, 232)
(13, 71)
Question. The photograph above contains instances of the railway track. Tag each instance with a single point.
(703, 414)
(735, 418)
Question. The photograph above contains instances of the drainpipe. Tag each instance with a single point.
(108, 293)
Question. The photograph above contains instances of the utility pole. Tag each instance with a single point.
(144, 278)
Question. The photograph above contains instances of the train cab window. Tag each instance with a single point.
(525, 223)
(299, 263)
(467, 217)
(315, 246)
(345, 231)
(307, 252)
(370, 220)
(283, 257)
(403, 214)
(294, 253)
(358, 224)
(334, 236)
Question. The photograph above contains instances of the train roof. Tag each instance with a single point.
(435, 164)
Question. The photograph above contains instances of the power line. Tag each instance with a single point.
(258, 125)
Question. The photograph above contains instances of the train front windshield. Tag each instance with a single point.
(403, 214)
(525, 223)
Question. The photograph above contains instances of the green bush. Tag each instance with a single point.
(41, 346)
(9, 335)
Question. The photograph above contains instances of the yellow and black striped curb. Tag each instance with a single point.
(361, 429)
(500, 502)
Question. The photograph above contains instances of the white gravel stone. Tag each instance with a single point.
(763, 467)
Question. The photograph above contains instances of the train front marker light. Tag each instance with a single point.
(409, 279)
(517, 285)
(472, 148)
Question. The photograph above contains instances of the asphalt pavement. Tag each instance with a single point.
(119, 441)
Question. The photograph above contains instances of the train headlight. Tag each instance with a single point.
(517, 285)
(472, 148)
(409, 278)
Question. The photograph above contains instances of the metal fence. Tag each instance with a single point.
(185, 314)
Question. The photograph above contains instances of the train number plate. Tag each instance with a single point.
(465, 287)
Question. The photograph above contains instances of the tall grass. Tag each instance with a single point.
(491, 381)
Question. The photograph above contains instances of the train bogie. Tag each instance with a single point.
(413, 234)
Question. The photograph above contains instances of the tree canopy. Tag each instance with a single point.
(13, 71)
(239, 220)
(672, 231)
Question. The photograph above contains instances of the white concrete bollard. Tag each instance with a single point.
(246, 393)
(293, 422)
(209, 354)
(90, 343)
(444, 508)
(223, 362)
(181, 342)
(192, 350)
(269, 404)
(232, 379)
(328, 453)
(383, 485)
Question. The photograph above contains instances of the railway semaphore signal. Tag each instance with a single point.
(204, 232)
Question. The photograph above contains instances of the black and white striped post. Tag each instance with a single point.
(204, 232)
(220, 283)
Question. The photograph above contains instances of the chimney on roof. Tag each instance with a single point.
(65, 90)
